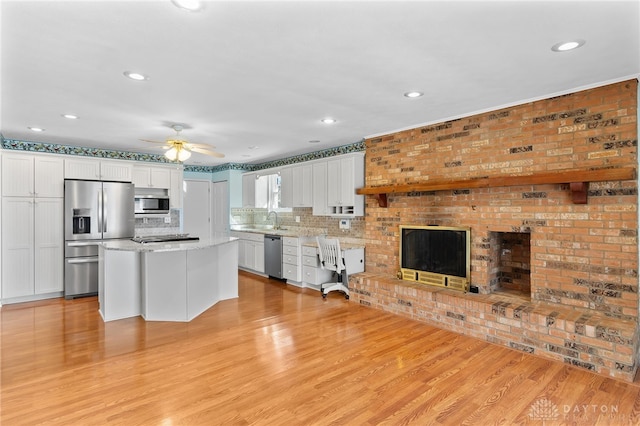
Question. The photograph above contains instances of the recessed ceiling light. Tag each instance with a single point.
(70, 116)
(328, 120)
(190, 5)
(413, 94)
(136, 76)
(314, 141)
(36, 129)
(253, 147)
(567, 45)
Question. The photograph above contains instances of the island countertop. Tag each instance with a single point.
(203, 243)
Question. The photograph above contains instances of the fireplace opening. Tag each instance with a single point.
(511, 255)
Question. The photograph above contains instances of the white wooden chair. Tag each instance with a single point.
(331, 259)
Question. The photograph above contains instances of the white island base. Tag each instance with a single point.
(165, 282)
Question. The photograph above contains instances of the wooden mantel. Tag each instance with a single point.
(577, 179)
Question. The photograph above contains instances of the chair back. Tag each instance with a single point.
(330, 254)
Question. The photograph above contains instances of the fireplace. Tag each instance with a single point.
(557, 275)
(436, 255)
(511, 260)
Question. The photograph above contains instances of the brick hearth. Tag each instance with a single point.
(583, 278)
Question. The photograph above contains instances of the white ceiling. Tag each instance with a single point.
(263, 74)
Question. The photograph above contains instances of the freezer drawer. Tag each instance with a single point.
(80, 276)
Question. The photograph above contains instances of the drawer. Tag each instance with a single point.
(291, 260)
(309, 251)
(312, 261)
(291, 272)
(290, 250)
(290, 241)
(315, 276)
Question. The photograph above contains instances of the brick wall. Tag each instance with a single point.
(583, 256)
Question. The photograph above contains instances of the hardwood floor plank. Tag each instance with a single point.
(279, 355)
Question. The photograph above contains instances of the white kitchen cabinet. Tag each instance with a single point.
(286, 187)
(291, 259)
(175, 191)
(302, 185)
(158, 177)
(296, 186)
(320, 205)
(93, 169)
(249, 190)
(344, 176)
(312, 272)
(250, 251)
(28, 175)
(32, 247)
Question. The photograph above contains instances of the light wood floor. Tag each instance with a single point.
(279, 355)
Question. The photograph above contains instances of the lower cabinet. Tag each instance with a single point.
(250, 251)
(291, 264)
(32, 247)
(312, 272)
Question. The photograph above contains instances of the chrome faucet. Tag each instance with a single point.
(275, 222)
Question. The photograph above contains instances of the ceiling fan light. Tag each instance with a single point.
(171, 153)
(183, 155)
(190, 5)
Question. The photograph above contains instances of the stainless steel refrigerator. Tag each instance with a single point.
(93, 211)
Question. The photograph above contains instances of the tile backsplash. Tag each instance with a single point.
(157, 226)
(327, 225)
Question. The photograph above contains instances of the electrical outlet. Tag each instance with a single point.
(145, 220)
(297, 219)
(167, 220)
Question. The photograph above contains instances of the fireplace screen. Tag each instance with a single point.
(436, 255)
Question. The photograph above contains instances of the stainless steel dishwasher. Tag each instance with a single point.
(273, 256)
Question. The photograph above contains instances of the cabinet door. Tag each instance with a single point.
(48, 245)
(242, 257)
(320, 204)
(77, 168)
(140, 177)
(334, 192)
(17, 175)
(119, 171)
(347, 190)
(302, 186)
(17, 247)
(175, 191)
(160, 177)
(259, 257)
(249, 190)
(49, 177)
(286, 187)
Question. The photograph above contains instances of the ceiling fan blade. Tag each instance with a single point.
(147, 140)
(199, 145)
(207, 152)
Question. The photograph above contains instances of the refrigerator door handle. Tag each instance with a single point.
(104, 217)
(100, 210)
(83, 260)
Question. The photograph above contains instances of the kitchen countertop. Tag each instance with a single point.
(285, 232)
(128, 245)
(343, 246)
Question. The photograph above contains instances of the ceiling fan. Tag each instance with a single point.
(180, 149)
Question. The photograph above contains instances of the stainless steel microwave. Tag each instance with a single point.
(151, 204)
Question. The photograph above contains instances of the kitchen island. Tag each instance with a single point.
(174, 281)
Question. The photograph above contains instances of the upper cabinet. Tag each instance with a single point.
(344, 175)
(93, 169)
(260, 190)
(31, 175)
(175, 191)
(152, 177)
(297, 186)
